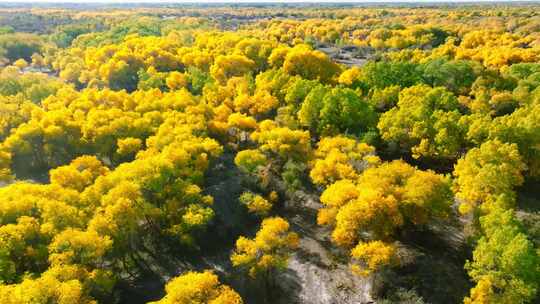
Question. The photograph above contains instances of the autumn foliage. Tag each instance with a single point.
(131, 137)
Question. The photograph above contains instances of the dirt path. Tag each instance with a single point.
(314, 275)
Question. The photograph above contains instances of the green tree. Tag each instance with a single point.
(426, 122)
(505, 264)
(330, 111)
(383, 74)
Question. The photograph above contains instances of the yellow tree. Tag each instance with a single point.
(268, 252)
(385, 198)
(310, 64)
(281, 141)
(63, 288)
(256, 203)
(250, 160)
(486, 172)
(339, 158)
(200, 288)
(371, 256)
(79, 174)
(227, 66)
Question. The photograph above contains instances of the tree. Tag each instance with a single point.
(383, 74)
(333, 198)
(5, 164)
(309, 64)
(151, 79)
(522, 128)
(425, 121)
(176, 80)
(310, 109)
(269, 251)
(339, 158)
(66, 34)
(128, 146)
(20, 46)
(258, 104)
(255, 203)
(120, 75)
(20, 63)
(85, 248)
(372, 256)
(505, 264)
(239, 125)
(457, 76)
(384, 199)
(256, 50)
(227, 66)
(61, 288)
(344, 111)
(200, 288)
(282, 142)
(486, 172)
(385, 99)
(352, 78)
(79, 174)
(331, 111)
(250, 160)
(298, 91)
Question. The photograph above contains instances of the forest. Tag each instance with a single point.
(270, 154)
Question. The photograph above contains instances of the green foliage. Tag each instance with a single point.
(151, 80)
(330, 111)
(383, 74)
(197, 80)
(298, 91)
(20, 46)
(293, 175)
(426, 122)
(64, 35)
(457, 76)
(385, 99)
(505, 264)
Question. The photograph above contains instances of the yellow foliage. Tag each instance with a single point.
(282, 141)
(372, 256)
(21, 63)
(176, 80)
(200, 288)
(269, 250)
(129, 145)
(250, 160)
(339, 158)
(241, 121)
(79, 174)
(380, 201)
(333, 198)
(349, 76)
(256, 203)
(309, 64)
(482, 293)
(487, 172)
(227, 66)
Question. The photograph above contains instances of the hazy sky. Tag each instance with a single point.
(239, 1)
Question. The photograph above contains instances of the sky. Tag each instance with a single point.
(243, 1)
